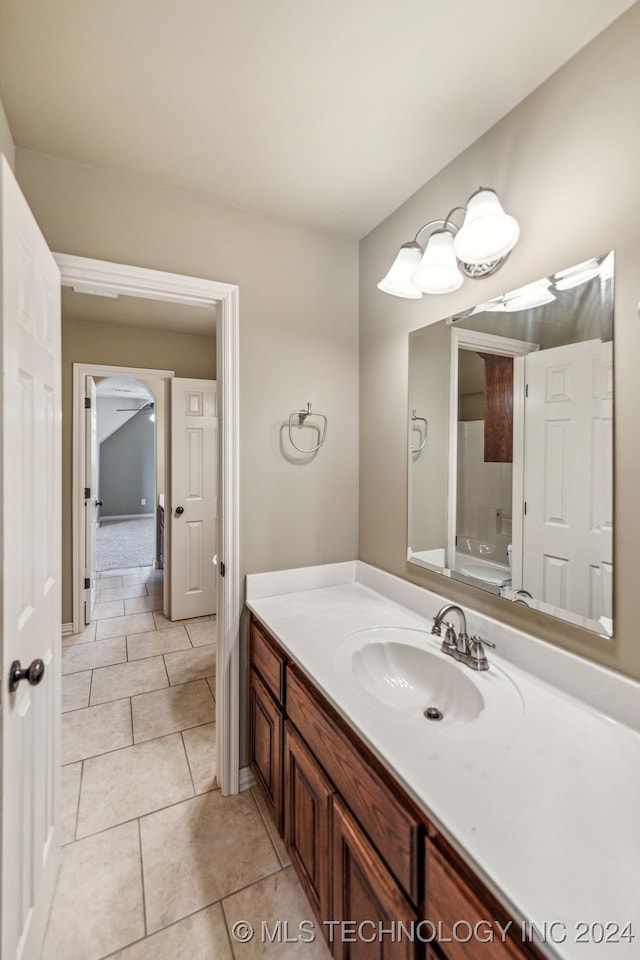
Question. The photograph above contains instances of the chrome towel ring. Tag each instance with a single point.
(414, 417)
(302, 416)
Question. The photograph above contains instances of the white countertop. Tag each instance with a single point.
(545, 807)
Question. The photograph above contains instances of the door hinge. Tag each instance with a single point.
(87, 493)
(87, 403)
(526, 391)
(222, 568)
(87, 583)
(525, 508)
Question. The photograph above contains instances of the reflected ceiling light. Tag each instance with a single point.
(524, 298)
(475, 249)
(577, 275)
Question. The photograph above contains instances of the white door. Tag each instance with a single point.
(91, 502)
(194, 497)
(567, 552)
(31, 557)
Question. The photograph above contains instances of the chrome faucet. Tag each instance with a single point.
(458, 645)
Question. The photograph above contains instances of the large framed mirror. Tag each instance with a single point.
(511, 445)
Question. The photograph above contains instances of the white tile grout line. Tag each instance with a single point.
(186, 753)
(144, 897)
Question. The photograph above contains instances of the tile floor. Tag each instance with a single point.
(156, 864)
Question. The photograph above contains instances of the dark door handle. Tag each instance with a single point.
(99, 503)
(33, 673)
(179, 511)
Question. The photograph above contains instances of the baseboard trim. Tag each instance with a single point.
(127, 516)
(67, 629)
(246, 779)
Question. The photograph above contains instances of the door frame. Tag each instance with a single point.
(99, 276)
(80, 372)
(462, 339)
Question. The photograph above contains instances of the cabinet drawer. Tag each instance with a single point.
(450, 901)
(392, 828)
(268, 661)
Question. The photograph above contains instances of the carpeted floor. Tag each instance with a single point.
(125, 543)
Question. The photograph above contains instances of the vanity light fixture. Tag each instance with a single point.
(475, 249)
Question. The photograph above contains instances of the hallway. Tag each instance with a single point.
(155, 863)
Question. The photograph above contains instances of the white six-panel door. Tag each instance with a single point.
(194, 497)
(31, 557)
(567, 555)
(90, 502)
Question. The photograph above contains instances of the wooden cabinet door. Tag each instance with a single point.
(450, 899)
(307, 814)
(266, 727)
(366, 898)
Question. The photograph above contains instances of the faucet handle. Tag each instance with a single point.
(477, 656)
(438, 623)
(486, 643)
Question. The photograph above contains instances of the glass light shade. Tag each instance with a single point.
(398, 281)
(487, 233)
(438, 271)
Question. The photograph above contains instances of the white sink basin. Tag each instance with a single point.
(404, 672)
(409, 679)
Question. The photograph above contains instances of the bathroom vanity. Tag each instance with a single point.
(478, 835)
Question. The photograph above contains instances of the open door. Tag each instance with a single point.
(568, 543)
(30, 482)
(194, 497)
(91, 502)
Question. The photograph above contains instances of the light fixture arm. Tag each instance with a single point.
(431, 223)
(446, 224)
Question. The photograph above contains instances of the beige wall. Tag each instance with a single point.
(565, 162)
(6, 140)
(298, 338)
(117, 345)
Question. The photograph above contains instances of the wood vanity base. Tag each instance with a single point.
(383, 882)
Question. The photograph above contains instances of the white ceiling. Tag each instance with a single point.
(137, 312)
(327, 112)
